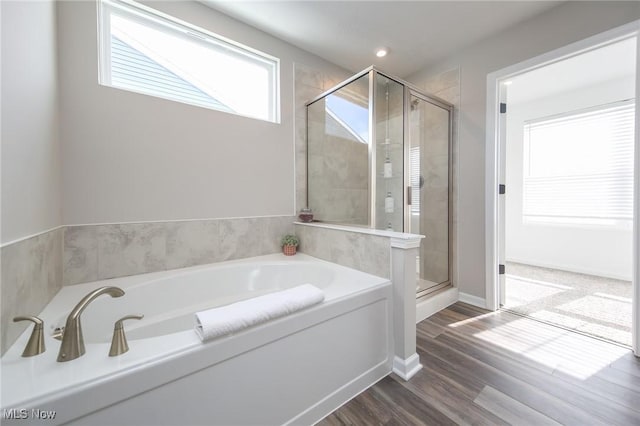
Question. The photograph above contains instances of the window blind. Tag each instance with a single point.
(579, 167)
(414, 159)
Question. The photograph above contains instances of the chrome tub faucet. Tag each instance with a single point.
(72, 346)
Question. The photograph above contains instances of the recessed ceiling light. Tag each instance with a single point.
(381, 52)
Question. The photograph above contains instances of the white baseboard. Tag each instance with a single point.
(406, 368)
(429, 306)
(572, 268)
(337, 399)
(472, 300)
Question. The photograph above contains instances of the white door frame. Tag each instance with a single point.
(494, 157)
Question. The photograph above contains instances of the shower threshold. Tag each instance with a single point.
(426, 288)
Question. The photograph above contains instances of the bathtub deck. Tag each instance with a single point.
(500, 368)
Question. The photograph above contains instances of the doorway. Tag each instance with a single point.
(569, 204)
(560, 225)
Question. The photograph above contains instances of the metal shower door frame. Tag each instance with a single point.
(412, 91)
(409, 90)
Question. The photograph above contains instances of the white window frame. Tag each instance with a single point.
(152, 17)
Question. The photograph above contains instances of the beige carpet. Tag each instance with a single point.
(597, 306)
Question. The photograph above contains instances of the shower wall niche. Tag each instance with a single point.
(378, 156)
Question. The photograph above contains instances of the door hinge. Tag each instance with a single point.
(501, 269)
(409, 200)
(502, 189)
(503, 107)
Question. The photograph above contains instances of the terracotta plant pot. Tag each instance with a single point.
(289, 250)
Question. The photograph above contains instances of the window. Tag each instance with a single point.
(145, 51)
(347, 115)
(578, 168)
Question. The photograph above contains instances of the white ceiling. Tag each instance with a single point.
(612, 62)
(348, 32)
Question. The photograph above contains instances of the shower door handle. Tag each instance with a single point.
(408, 195)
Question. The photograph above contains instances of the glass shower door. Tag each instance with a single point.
(429, 168)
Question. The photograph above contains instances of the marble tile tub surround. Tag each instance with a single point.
(31, 276)
(96, 252)
(365, 252)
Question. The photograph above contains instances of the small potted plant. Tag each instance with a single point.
(289, 244)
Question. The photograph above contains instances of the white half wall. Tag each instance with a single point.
(30, 165)
(562, 25)
(130, 157)
(590, 249)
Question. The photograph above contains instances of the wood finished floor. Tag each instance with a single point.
(498, 368)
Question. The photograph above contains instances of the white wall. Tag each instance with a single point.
(597, 250)
(567, 23)
(30, 145)
(130, 157)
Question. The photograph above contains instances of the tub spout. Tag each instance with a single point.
(72, 346)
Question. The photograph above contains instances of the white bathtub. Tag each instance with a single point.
(295, 369)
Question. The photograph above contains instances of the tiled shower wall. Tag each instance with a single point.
(31, 276)
(308, 85)
(367, 253)
(446, 86)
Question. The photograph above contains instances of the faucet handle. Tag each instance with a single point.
(35, 345)
(119, 341)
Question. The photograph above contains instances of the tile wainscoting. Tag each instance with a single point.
(97, 252)
(31, 276)
(364, 252)
(36, 268)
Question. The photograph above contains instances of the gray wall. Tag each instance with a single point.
(31, 268)
(130, 157)
(30, 146)
(567, 23)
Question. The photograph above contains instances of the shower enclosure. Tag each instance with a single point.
(379, 156)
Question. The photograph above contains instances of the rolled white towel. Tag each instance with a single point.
(217, 322)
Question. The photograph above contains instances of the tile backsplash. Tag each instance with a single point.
(97, 252)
